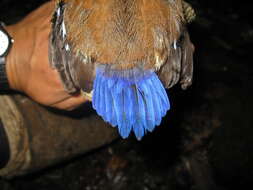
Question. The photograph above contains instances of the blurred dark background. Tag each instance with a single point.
(205, 141)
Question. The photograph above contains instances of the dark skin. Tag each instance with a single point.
(28, 68)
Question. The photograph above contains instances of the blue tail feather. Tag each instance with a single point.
(138, 130)
(108, 102)
(95, 97)
(161, 91)
(134, 100)
(150, 115)
(130, 111)
(113, 116)
(156, 105)
(111, 82)
(125, 127)
(128, 114)
(102, 104)
(118, 107)
(141, 110)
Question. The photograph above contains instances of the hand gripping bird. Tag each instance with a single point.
(125, 53)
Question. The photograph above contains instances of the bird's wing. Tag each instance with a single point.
(186, 61)
(76, 72)
(179, 65)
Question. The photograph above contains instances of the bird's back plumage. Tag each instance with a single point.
(123, 33)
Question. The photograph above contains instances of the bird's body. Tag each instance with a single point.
(125, 51)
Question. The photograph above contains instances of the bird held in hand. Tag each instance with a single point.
(124, 52)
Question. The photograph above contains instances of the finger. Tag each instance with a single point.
(71, 103)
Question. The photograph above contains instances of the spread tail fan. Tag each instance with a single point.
(134, 100)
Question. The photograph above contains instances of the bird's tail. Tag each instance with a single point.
(131, 99)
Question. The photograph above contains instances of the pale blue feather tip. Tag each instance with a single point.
(134, 100)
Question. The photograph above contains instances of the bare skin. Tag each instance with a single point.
(28, 68)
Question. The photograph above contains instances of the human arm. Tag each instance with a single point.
(27, 64)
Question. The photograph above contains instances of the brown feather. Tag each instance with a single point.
(122, 32)
(125, 34)
(187, 61)
(179, 65)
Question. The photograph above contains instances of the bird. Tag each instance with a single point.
(123, 54)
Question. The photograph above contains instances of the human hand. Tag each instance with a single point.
(28, 68)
